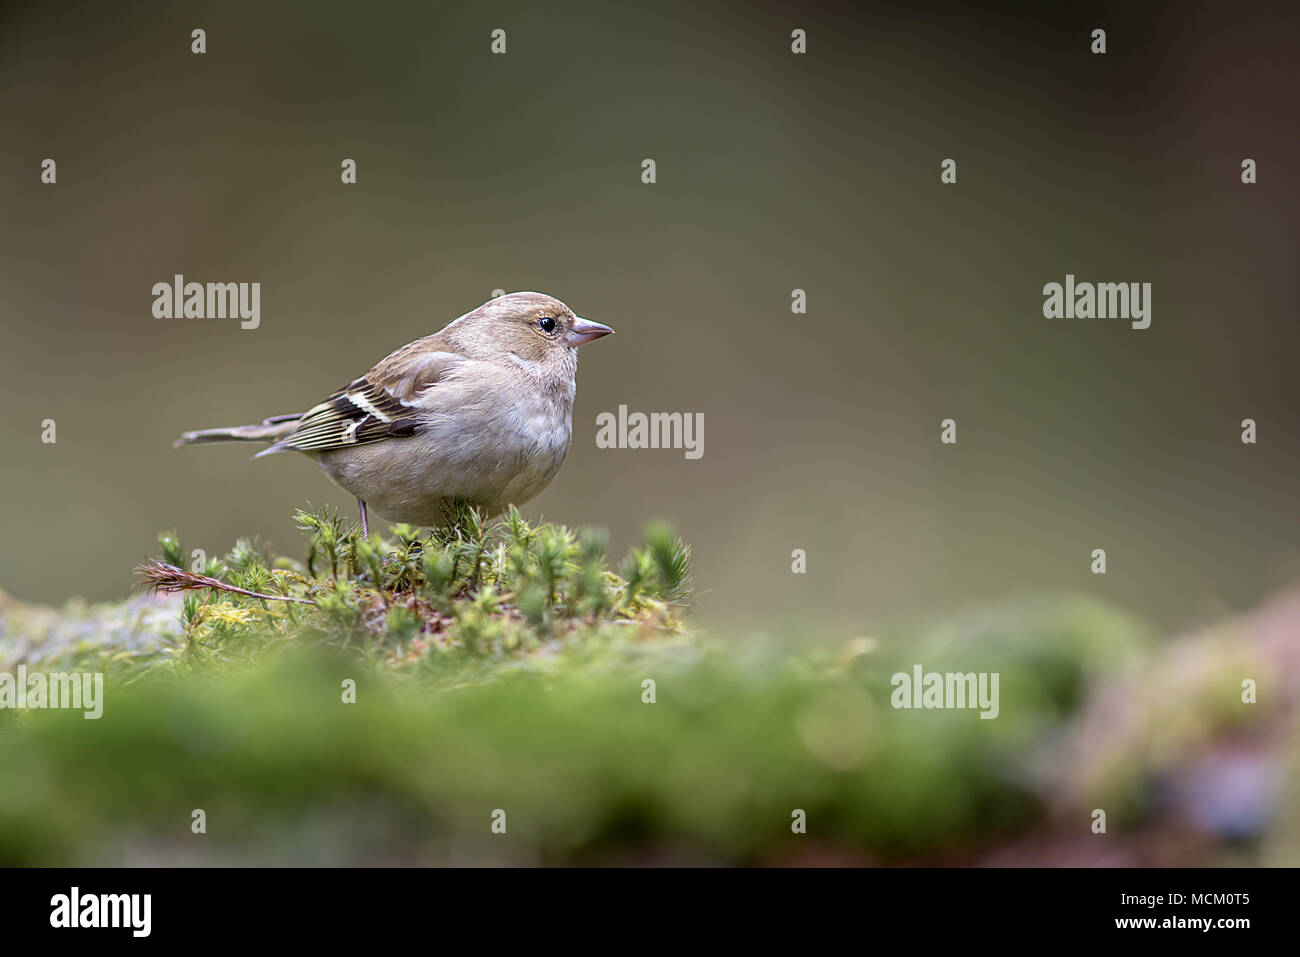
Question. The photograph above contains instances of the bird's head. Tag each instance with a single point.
(528, 325)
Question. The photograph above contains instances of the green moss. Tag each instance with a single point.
(506, 665)
(498, 590)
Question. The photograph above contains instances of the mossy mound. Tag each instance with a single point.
(470, 589)
(379, 701)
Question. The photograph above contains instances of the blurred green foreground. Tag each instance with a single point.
(508, 668)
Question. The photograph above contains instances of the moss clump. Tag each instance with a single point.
(470, 587)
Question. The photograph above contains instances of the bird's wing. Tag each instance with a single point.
(381, 404)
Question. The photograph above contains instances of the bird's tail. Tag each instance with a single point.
(270, 430)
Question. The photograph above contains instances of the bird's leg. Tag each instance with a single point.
(365, 529)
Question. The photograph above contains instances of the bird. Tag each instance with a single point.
(480, 412)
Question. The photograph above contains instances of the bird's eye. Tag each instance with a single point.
(546, 323)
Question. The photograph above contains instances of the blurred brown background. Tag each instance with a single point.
(775, 171)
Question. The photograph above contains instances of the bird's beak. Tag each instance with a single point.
(584, 330)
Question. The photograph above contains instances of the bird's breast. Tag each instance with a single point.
(491, 453)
